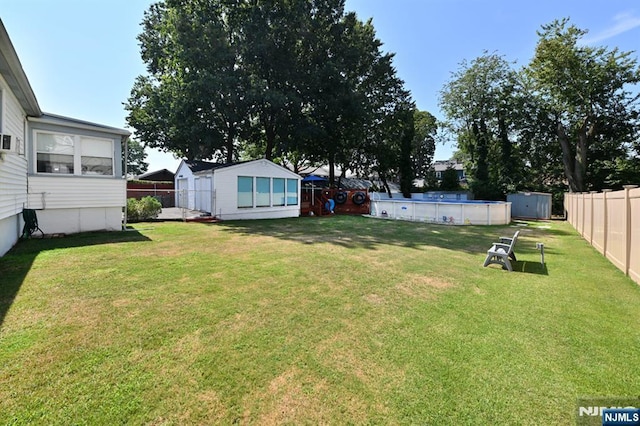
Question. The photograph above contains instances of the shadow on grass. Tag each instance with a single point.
(15, 265)
(530, 267)
(369, 233)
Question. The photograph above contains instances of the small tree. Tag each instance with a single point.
(135, 158)
(450, 180)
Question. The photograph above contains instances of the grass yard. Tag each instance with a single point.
(311, 320)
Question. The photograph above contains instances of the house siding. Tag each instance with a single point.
(185, 184)
(71, 221)
(13, 170)
(77, 204)
(63, 192)
(226, 191)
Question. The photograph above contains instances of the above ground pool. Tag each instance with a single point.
(450, 212)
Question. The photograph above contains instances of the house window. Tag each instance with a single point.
(97, 157)
(278, 192)
(245, 191)
(263, 192)
(55, 153)
(73, 155)
(292, 192)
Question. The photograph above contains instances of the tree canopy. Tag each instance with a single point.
(297, 81)
(568, 120)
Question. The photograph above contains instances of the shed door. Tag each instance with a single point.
(543, 207)
(182, 193)
(203, 194)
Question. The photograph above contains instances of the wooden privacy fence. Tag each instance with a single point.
(610, 221)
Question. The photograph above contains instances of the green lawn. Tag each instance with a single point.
(311, 320)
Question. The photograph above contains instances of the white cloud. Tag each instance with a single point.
(622, 23)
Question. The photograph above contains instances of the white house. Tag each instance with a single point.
(68, 170)
(258, 189)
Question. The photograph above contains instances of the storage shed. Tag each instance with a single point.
(258, 189)
(530, 205)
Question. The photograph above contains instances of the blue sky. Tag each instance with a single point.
(82, 56)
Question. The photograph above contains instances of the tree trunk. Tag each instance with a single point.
(568, 159)
(507, 151)
(385, 184)
(270, 135)
(580, 169)
(229, 143)
(332, 170)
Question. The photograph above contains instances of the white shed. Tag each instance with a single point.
(258, 189)
(185, 182)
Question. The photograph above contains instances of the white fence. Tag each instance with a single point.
(451, 213)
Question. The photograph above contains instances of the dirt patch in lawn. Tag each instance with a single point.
(422, 286)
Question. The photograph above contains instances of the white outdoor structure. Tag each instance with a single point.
(258, 189)
(461, 212)
(68, 170)
(185, 182)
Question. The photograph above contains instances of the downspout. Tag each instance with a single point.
(126, 162)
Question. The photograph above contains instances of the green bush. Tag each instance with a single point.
(143, 209)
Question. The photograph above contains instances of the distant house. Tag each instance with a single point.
(257, 189)
(163, 175)
(441, 165)
(68, 170)
(158, 184)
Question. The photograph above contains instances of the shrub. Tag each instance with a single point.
(144, 209)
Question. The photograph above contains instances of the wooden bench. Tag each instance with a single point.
(502, 253)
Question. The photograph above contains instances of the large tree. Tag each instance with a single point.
(297, 81)
(481, 104)
(585, 104)
(423, 146)
(193, 100)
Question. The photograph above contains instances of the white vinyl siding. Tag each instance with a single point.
(13, 169)
(229, 198)
(13, 184)
(48, 192)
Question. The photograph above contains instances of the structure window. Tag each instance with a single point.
(278, 192)
(55, 153)
(263, 192)
(292, 192)
(73, 155)
(245, 191)
(97, 157)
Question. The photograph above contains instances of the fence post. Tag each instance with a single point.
(627, 226)
(605, 225)
(592, 218)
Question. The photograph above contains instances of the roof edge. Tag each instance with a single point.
(21, 82)
(48, 118)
